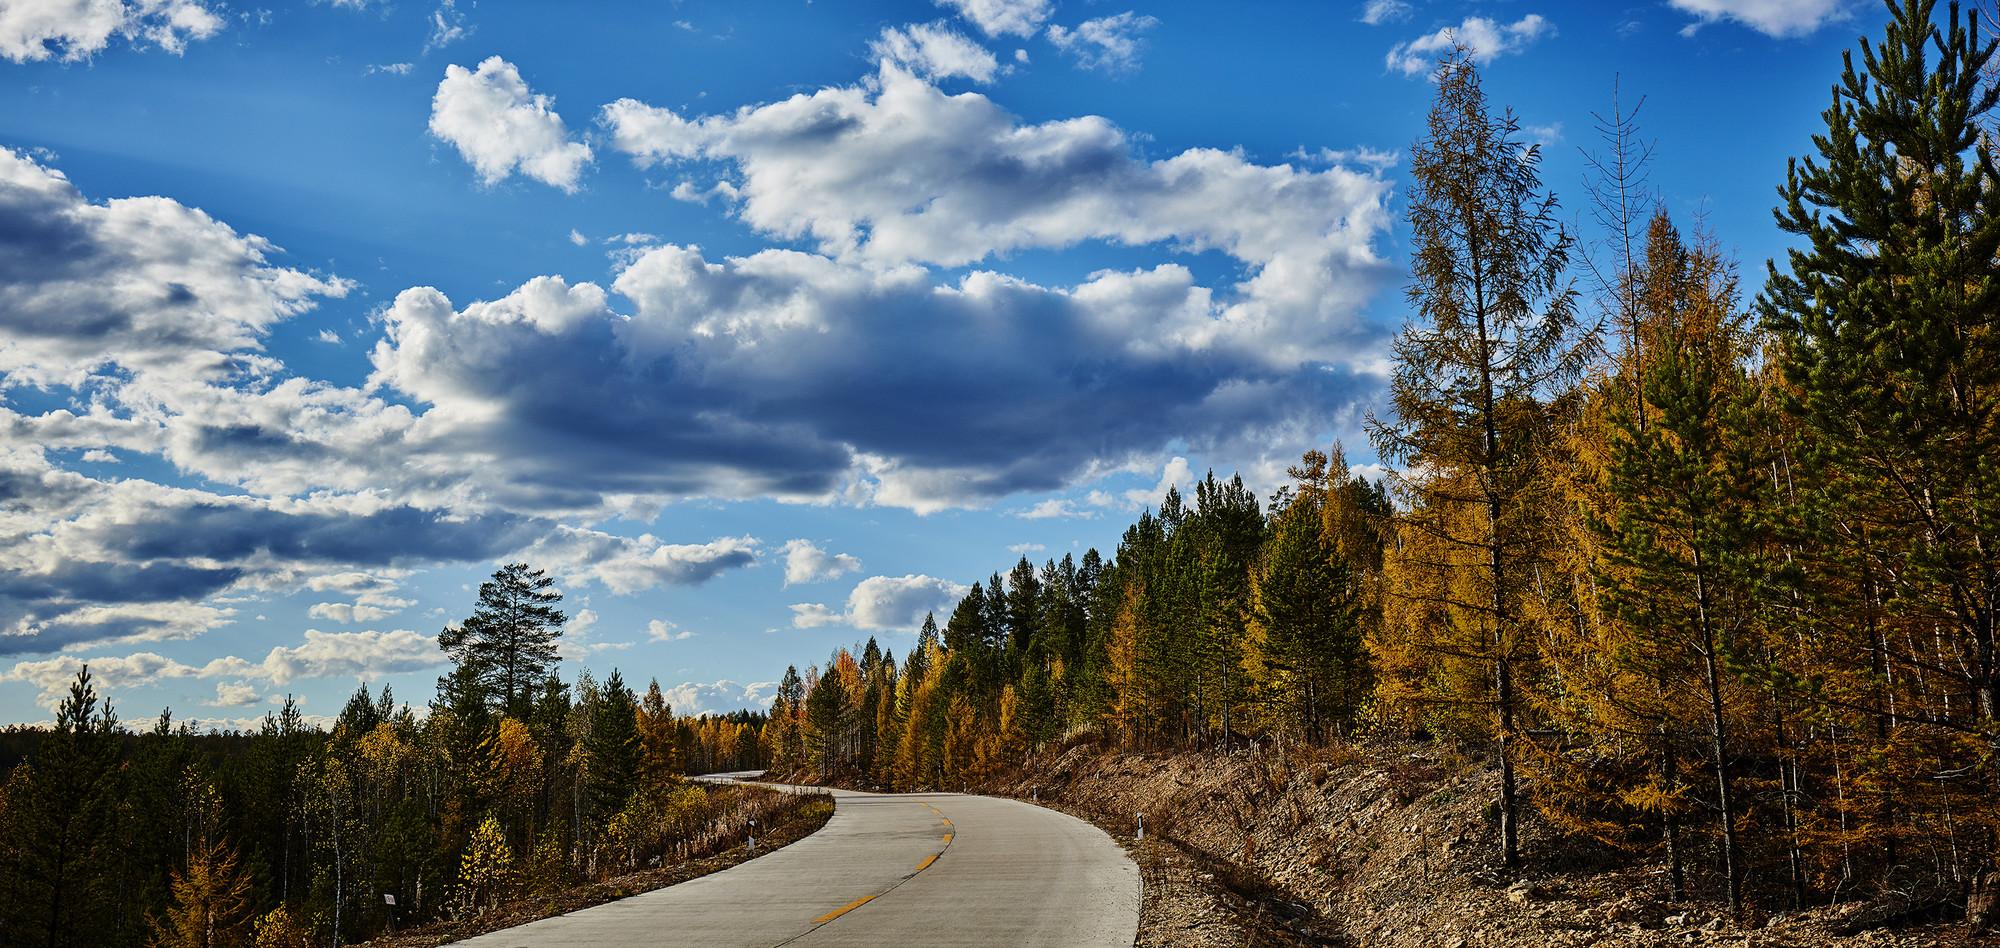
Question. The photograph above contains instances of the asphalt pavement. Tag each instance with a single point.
(916, 869)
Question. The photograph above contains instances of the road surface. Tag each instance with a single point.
(940, 869)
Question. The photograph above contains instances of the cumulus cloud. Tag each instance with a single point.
(807, 563)
(1775, 18)
(935, 51)
(784, 373)
(1003, 17)
(1177, 475)
(1485, 38)
(660, 630)
(161, 288)
(627, 565)
(1054, 508)
(73, 30)
(499, 126)
(366, 655)
(234, 694)
(369, 608)
(1109, 43)
(885, 604)
(1027, 548)
(718, 697)
(812, 615)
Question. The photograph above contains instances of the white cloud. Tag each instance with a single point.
(1110, 43)
(1378, 12)
(934, 51)
(160, 288)
(329, 337)
(1775, 18)
(234, 694)
(1055, 508)
(392, 69)
(1026, 548)
(718, 697)
(973, 182)
(73, 30)
(370, 607)
(660, 630)
(500, 126)
(812, 615)
(367, 655)
(627, 565)
(321, 655)
(807, 563)
(1486, 39)
(1003, 17)
(447, 26)
(576, 237)
(578, 641)
(899, 603)
(1176, 475)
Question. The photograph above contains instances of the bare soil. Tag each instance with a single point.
(1391, 845)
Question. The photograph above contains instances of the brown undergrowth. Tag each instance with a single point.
(781, 818)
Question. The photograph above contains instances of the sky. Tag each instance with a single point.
(763, 326)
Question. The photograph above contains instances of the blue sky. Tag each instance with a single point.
(763, 325)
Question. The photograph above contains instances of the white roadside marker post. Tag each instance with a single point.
(1142, 826)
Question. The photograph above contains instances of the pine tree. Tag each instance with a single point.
(59, 830)
(510, 638)
(613, 747)
(1678, 540)
(1305, 615)
(1888, 328)
(1496, 337)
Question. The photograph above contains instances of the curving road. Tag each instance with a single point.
(941, 869)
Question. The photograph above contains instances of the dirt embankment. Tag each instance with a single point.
(780, 819)
(1389, 845)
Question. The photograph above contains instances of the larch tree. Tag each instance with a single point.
(1496, 335)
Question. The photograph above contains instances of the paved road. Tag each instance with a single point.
(940, 869)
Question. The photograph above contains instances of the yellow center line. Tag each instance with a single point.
(926, 864)
(947, 839)
(843, 910)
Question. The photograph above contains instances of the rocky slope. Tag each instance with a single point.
(1389, 845)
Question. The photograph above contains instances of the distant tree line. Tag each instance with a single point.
(1715, 580)
(515, 782)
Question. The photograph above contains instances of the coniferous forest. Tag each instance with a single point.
(514, 783)
(1708, 576)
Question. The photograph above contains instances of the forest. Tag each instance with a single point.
(1712, 580)
(1709, 577)
(513, 782)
